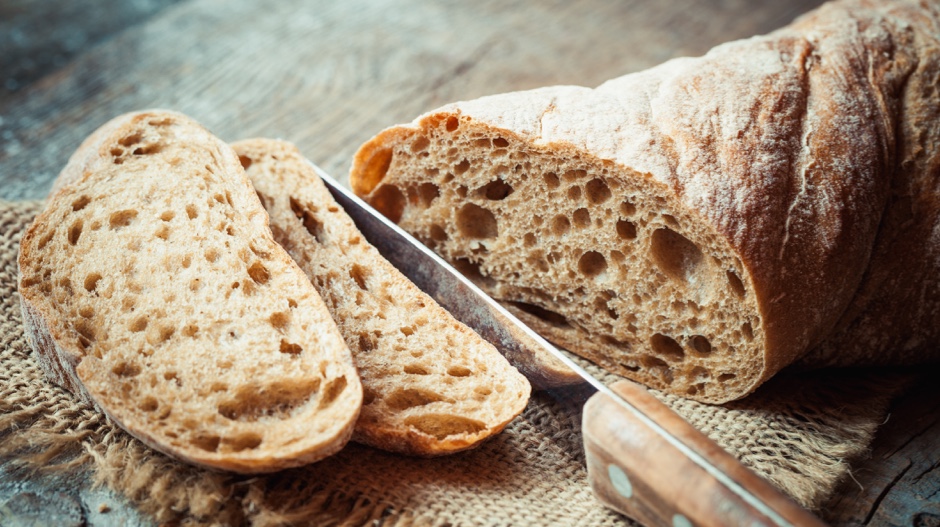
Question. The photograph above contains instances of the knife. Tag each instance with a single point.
(643, 459)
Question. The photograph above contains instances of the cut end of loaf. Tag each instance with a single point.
(431, 385)
(600, 259)
(155, 289)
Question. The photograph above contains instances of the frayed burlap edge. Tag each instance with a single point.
(799, 431)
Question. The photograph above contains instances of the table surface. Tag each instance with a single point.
(328, 75)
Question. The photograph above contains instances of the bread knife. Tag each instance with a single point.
(643, 459)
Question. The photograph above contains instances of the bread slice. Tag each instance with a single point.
(432, 386)
(152, 288)
(700, 225)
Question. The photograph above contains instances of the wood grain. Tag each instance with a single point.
(899, 483)
(635, 471)
(329, 75)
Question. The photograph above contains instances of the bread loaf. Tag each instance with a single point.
(432, 386)
(152, 288)
(702, 224)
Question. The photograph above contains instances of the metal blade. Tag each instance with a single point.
(470, 305)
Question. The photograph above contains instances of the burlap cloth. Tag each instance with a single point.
(798, 431)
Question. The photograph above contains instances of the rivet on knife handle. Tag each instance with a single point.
(632, 470)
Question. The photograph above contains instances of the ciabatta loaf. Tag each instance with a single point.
(152, 288)
(432, 386)
(700, 225)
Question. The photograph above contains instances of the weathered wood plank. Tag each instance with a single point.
(899, 483)
(328, 75)
(40, 37)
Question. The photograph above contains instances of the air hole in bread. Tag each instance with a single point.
(163, 232)
(459, 371)
(597, 191)
(86, 333)
(461, 167)
(308, 219)
(390, 201)
(415, 369)
(499, 142)
(116, 152)
(246, 162)
(209, 443)
(148, 404)
(367, 341)
(45, 239)
(473, 221)
(627, 208)
(626, 230)
(259, 273)
(529, 240)
(496, 190)
(122, 218)
(126, 369)
(280, 320)
(483, 142)
(544, 314)
(574, 175)
(592, 263)
(278, 399)
(138, 324)
(674, 254)
(376, 168)
(574, 193)
(451, 124)
(701, 344)
(725, 377)
(242, 442)
(699, 373)
(290, 348)
(551, 180)
(427, 193)
(146, 150)
(404, 398)
(560, 225)
(581, 218)
(212, 255)
(407, 330)
(442, 426)
(332, 391)
(667, 347)
(130, 140)
(359, 274)
(91, 281)
(190, 330)
(748, 331)
(192, 212)
(86, 312)
(736, 284)
(75, 231)
(420, 144)
(438, 233)
(160, 334)
(167, 215)
(80, 203)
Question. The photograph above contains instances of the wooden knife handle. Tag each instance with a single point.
(633, 470)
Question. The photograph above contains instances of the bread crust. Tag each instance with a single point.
(94, 373)
(796, 150)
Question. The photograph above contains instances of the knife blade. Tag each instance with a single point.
(736, 494)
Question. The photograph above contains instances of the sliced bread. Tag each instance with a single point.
(152, 288)
(432, 386)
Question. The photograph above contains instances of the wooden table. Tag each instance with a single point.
(328, 75)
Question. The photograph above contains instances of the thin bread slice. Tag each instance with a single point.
(432, 386)
(700, 225)
(152, 288)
